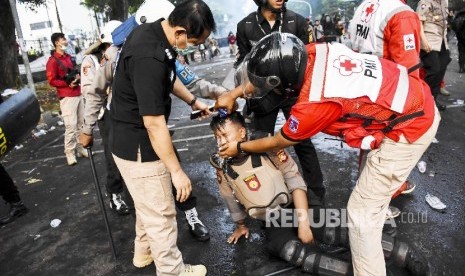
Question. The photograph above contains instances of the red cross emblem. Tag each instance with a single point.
(368, 10)
(347, 65)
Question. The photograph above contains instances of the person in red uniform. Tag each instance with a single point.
(62, 76)
(369, 102)
(389, 29)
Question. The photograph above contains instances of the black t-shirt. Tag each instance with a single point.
(142, 85)
(254, 27)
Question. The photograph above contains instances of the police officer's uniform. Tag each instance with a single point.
(433, 15)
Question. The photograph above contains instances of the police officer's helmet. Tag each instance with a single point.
(152, 10)
(276, 63)
(105, 36)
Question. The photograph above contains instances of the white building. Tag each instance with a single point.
(38, 25)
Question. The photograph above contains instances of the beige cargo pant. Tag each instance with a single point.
(385, 170)
(149, 184)
(72, 112)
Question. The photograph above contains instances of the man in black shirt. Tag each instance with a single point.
(142, 147)
(272, 16)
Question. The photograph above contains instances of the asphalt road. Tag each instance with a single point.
(79, 245)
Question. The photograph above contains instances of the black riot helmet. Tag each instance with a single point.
(276, 63)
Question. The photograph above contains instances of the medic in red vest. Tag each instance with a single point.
(370, 102)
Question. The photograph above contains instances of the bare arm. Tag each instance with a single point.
(301, 206)
(275, 142)
(181, 91)
(159, 137)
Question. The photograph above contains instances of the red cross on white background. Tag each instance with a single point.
(347, 66)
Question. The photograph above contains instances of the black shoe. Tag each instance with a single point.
(118, 205)
(197, 228)
(416, 264)
(17, 209)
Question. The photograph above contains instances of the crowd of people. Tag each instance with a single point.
(284, 63)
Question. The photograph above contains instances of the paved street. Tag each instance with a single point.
(79, 245)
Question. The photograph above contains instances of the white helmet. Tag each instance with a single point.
(105, 36)
(152, 10)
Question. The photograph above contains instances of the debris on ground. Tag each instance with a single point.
(31, 180)
(435, 202)
(55, 223)
(421, 166)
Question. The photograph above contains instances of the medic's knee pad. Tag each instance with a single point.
(293, 252)
(319, 264)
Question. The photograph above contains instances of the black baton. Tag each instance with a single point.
(100, 199)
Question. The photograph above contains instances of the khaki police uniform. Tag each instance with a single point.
(433, 14)
(278, 173)
(99, 92)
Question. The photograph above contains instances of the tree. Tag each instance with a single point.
(9, 71)
(113, 9)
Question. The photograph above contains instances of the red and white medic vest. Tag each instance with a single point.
(367, 26)
(363, 84)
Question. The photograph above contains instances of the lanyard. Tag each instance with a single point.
(261, 28)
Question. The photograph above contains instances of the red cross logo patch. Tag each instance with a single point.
(347, 65)
(368, 10)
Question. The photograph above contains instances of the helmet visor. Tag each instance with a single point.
(256, 87)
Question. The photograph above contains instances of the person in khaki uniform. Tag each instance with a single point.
(434, 52)
(100, 96)
(141, 143)
(269, 187)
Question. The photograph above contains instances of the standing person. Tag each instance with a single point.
(232, 43)
(378, 110)
(62, 75)
(202, 51)
(319, 32)
(272, 16)
(434, 52)
(397, 39)
(141, 144)
(99, 96)
(96, 78)
(389, 29)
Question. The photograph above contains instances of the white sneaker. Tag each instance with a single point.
(71, 159)
(194, 270)
(82, 152)
(444, 92)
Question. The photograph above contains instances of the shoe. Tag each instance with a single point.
(408, 187)
(141, 261)
(194, 270)
(118, 205)
(393, 212)
(82, 152)
(444, 92)
(71, 159)
(197, 228)
(17, 209)
(416, 264)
